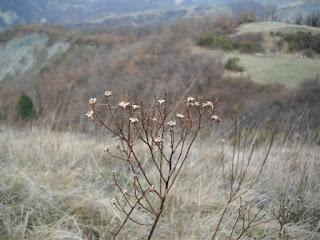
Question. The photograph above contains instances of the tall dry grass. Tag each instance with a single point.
(58, 185)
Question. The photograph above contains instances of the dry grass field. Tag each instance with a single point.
(58, 185)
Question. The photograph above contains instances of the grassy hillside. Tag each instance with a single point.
(267, 27)
(287, 70)
(273, 64)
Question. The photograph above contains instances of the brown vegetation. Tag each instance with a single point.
(139, 63)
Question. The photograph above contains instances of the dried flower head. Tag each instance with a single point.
(161, 101)
(124, 104)
(92, 101)
(207, 104)
(113, 201)
(108, 93)
(154, 119)
(125, 191)
(135, 107)
(158, 140)
(90, 115)
(172, 123)
(179, 115)
(151, 188)
(216, 119)
(107, 148)
(133, 120)
(197, 104)
(190, 99)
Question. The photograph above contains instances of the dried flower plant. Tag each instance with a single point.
(167, 142)
(237, 184)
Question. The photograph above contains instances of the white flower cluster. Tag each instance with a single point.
(90, 115)
(124, 104)
(179, 115)
(161, 101)
(92, 101)
(172, 123)
(133, 120)
(216, 119)
(108, 93)
(207, 104)
(158, 140)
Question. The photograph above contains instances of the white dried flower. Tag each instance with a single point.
(125, 191)
(190, 99)
(92, 101)
(107, 148)
(179, 115)
(124, 104)
(172, 123)
(113, 201)
(161, 101)
(133, 120)
(158, 140)
(154, 119)
(207, 104)
(197, 104)
(216, 119)
(108, 93)
(135, 107)
(90, 115)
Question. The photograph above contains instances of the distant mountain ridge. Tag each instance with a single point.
(132, 12)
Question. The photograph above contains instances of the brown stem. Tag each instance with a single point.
(154, 225)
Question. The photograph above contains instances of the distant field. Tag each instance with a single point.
(285, 70)
(265, 27)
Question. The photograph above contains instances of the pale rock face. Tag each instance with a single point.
(18, 55)
(178, 2)
(58, 48)
(8, 17)
(24, 54)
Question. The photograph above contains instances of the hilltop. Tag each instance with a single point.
(275, 65)
(269, 26)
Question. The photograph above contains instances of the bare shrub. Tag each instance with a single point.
(235, 173)
(166, 139)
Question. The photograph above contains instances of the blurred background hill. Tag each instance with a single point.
(247, 54)
(133, 12)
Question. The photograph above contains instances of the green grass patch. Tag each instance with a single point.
(284, 70)
(265, 27)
